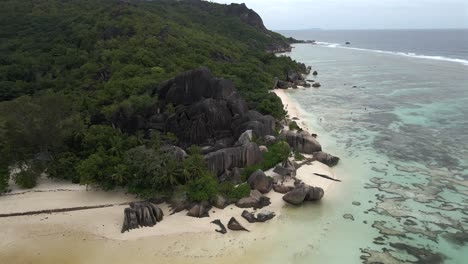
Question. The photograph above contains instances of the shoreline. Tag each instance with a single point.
(103, 225)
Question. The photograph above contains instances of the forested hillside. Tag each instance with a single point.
(71, 70)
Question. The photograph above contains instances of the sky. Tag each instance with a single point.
(359, 14)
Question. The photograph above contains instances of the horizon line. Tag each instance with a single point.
(330, 29)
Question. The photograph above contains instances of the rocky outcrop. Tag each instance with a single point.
(303, 193)
(246, 15)
(220, 202)
(226, 159)
(260, 182)
(205, 110)
(255, 200)
(296, 196)
(178, 153)
(141, 214)
(199, 210)
(280, 188)
(326, 158)
(287, 168)
(245, 138)
(260, 218)
(302, 141)
(222, 229)
(235, 225)
(316, 85)
(234, 176)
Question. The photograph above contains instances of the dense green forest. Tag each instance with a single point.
(67, 67)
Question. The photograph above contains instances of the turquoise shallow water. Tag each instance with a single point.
(400, 126)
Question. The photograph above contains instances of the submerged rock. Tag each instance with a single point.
(348, 216)
(316, 85)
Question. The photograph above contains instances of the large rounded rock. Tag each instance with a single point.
(302, 141)
(296, 196)
(255, 200)
(326, 158)
(220, 202)
(245, 138)
(280, 188)
(314, 194)
(259, 181)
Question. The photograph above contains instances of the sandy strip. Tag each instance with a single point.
(57, 237)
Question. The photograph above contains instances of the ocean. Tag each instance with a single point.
(437, 44)
(394, 107)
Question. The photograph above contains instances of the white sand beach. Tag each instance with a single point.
(94, 235)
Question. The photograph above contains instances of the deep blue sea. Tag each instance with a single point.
(394, 106)
(437, 44)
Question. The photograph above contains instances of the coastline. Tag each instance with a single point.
(100, 227)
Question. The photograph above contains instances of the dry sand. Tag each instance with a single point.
(93, 236)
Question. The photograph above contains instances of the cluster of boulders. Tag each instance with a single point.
(259, 218)
(295, 79)
(301, 141)
(302, 193)
(141, 214)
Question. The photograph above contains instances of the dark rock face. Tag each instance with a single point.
(234, 176)
(302, 142)
(141, 214)
(293, 77)
(222, 229)
(326, 158)
(315, 73)
(261, 217)
(314, 193)
(199, 210)
(250, 217)
(229, 158)
(316, 85)
(207, 110)
(270, 140)
(178, 203)
(247, 15)
(259, 181)
(280, 188)
(265, 216)
(255, 200)
(178, 153)
(287, 168)
(303, 193)
(245, 138)
(283, 85)
(220, 202)
(235, 225)
(296, 196)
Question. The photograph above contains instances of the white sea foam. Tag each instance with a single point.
(406, 54)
